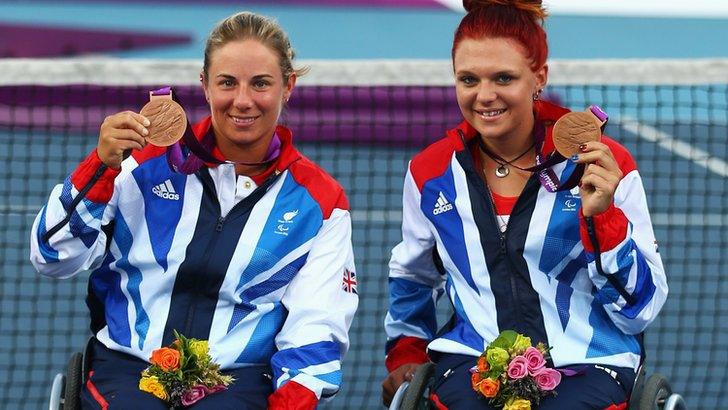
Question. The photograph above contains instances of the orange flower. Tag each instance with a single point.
(483, 364)
(489, 387)
(475, 378)
(166, 358)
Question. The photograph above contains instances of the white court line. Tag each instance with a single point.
(19, 210)
(677, 147)
(368, 73)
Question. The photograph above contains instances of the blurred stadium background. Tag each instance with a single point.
(665, 85)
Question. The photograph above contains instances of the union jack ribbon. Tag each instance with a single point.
(349, 283)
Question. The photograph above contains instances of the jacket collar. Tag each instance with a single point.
(288, 155)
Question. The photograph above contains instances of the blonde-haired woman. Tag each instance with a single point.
(247, 249)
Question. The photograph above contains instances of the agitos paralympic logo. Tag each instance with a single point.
(284, 223)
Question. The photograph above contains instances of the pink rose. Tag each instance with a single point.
(193, 395)
(547, 379)
(535, 359)
(518, 368)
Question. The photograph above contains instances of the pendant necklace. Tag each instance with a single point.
(502, 170)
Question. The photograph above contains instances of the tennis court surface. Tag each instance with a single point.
(363, 126)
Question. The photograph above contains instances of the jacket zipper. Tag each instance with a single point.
(504, 250)
(211, 245)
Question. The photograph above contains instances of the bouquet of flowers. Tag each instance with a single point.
(513, 374)
(183, 373)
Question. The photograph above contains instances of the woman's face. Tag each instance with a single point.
(246, 92)
(495, 86)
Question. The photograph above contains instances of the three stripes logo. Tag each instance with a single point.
(442, 205)
(166, 190)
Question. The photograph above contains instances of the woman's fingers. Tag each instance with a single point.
(598, 153)
(124, 137)
(129, 120)
(600, 179)
(120, 132)
(606, 179)
(597, 190)
(594, 182)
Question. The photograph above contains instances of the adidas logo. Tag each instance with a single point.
(166, 190)
(442, 205)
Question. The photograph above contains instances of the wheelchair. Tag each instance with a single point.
(66, 387)
(652, 393)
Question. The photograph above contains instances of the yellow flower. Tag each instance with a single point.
(517, 404)
(521, 344)
(199, 348)
(497, 357)
(152, 385)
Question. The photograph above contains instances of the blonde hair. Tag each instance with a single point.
(246, 25)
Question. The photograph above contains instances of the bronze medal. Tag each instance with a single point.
(168, 121)
(574, 129)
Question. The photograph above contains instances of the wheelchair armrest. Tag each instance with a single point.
(675, 402)
(59, 383)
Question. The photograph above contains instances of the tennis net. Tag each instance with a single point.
(362, 121)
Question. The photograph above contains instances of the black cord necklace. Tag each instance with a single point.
(502, 171)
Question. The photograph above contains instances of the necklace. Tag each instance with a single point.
(502, 170)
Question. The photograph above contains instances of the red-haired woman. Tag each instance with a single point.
(485, 221)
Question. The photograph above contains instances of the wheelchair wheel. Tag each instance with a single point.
(414, 397)
(654, 393)
(74, 376)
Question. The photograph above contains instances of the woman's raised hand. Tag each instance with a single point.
(121, 132)
(600, 179)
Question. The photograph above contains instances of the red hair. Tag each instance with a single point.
(520, 20)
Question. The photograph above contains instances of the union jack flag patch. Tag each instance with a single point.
(349, 283)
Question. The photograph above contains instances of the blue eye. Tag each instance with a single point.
(468, 80)
(503, 79)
